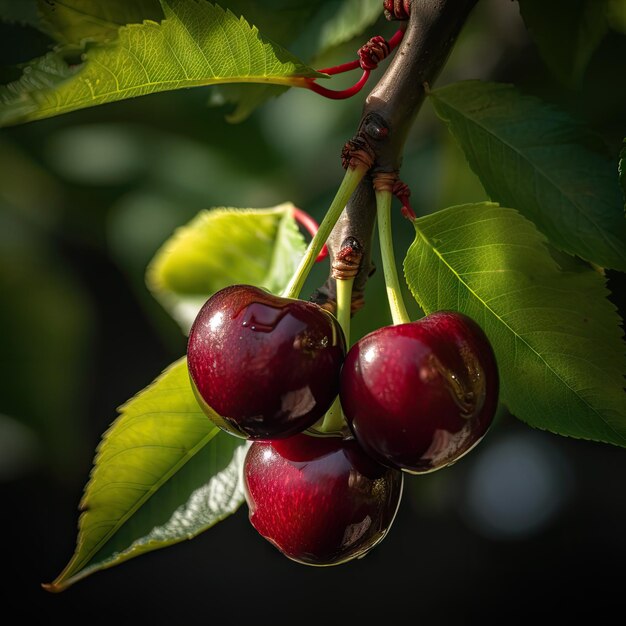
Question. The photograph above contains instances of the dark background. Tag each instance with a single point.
(529, 526)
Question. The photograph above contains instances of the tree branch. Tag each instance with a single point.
(388, 114)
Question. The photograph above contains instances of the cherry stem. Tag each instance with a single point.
(349, 183)
(396, 39)
(344, 93)
(366, 61)
(344, 305)
(353, 65)
(340, 69)
(334, 420)
(394, 294)
(311, 226)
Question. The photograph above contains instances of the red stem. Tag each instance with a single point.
(346, 67)
(344, 93)
(352, 65)
(340, 69)
(396, 39)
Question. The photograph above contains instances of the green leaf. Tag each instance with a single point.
(222, 247)
(197, 44)
(162, 473)
(44, 75)
(556, 337)
(533, 158)
(458, 183)
(73, 21)
(567, 33)
(308, 28)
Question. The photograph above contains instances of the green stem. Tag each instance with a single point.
(344, 306)
(349, 183)
(334, 420)
(394, 294)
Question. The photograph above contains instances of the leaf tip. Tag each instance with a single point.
(54, 587)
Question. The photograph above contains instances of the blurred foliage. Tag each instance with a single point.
(567, 33)
(45, 314)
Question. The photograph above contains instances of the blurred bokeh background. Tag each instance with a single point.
(528, 520)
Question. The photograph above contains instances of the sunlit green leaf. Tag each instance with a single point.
(567, 33)
(536, 159)
(162, 473)
(557, 338)
(223, 247)
(308, 28)
(198, 44)
(73, 21)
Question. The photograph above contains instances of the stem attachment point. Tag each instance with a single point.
(397, 9)
(357, 153)
(370, 54)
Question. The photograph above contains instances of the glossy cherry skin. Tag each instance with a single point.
(319, 500)
(262, 366)
(418, 396)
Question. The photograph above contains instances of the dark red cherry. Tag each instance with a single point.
(418, 396)
(263, 366)
(319, 500)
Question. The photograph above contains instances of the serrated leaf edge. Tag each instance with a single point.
(543, 240)
(589, 218)
(67, 577)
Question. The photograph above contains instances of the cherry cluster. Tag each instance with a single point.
(416, 397)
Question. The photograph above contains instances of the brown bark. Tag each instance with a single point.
(389, 112)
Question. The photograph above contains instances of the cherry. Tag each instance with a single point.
(418, 396)
(263, 366)
(319, 500)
